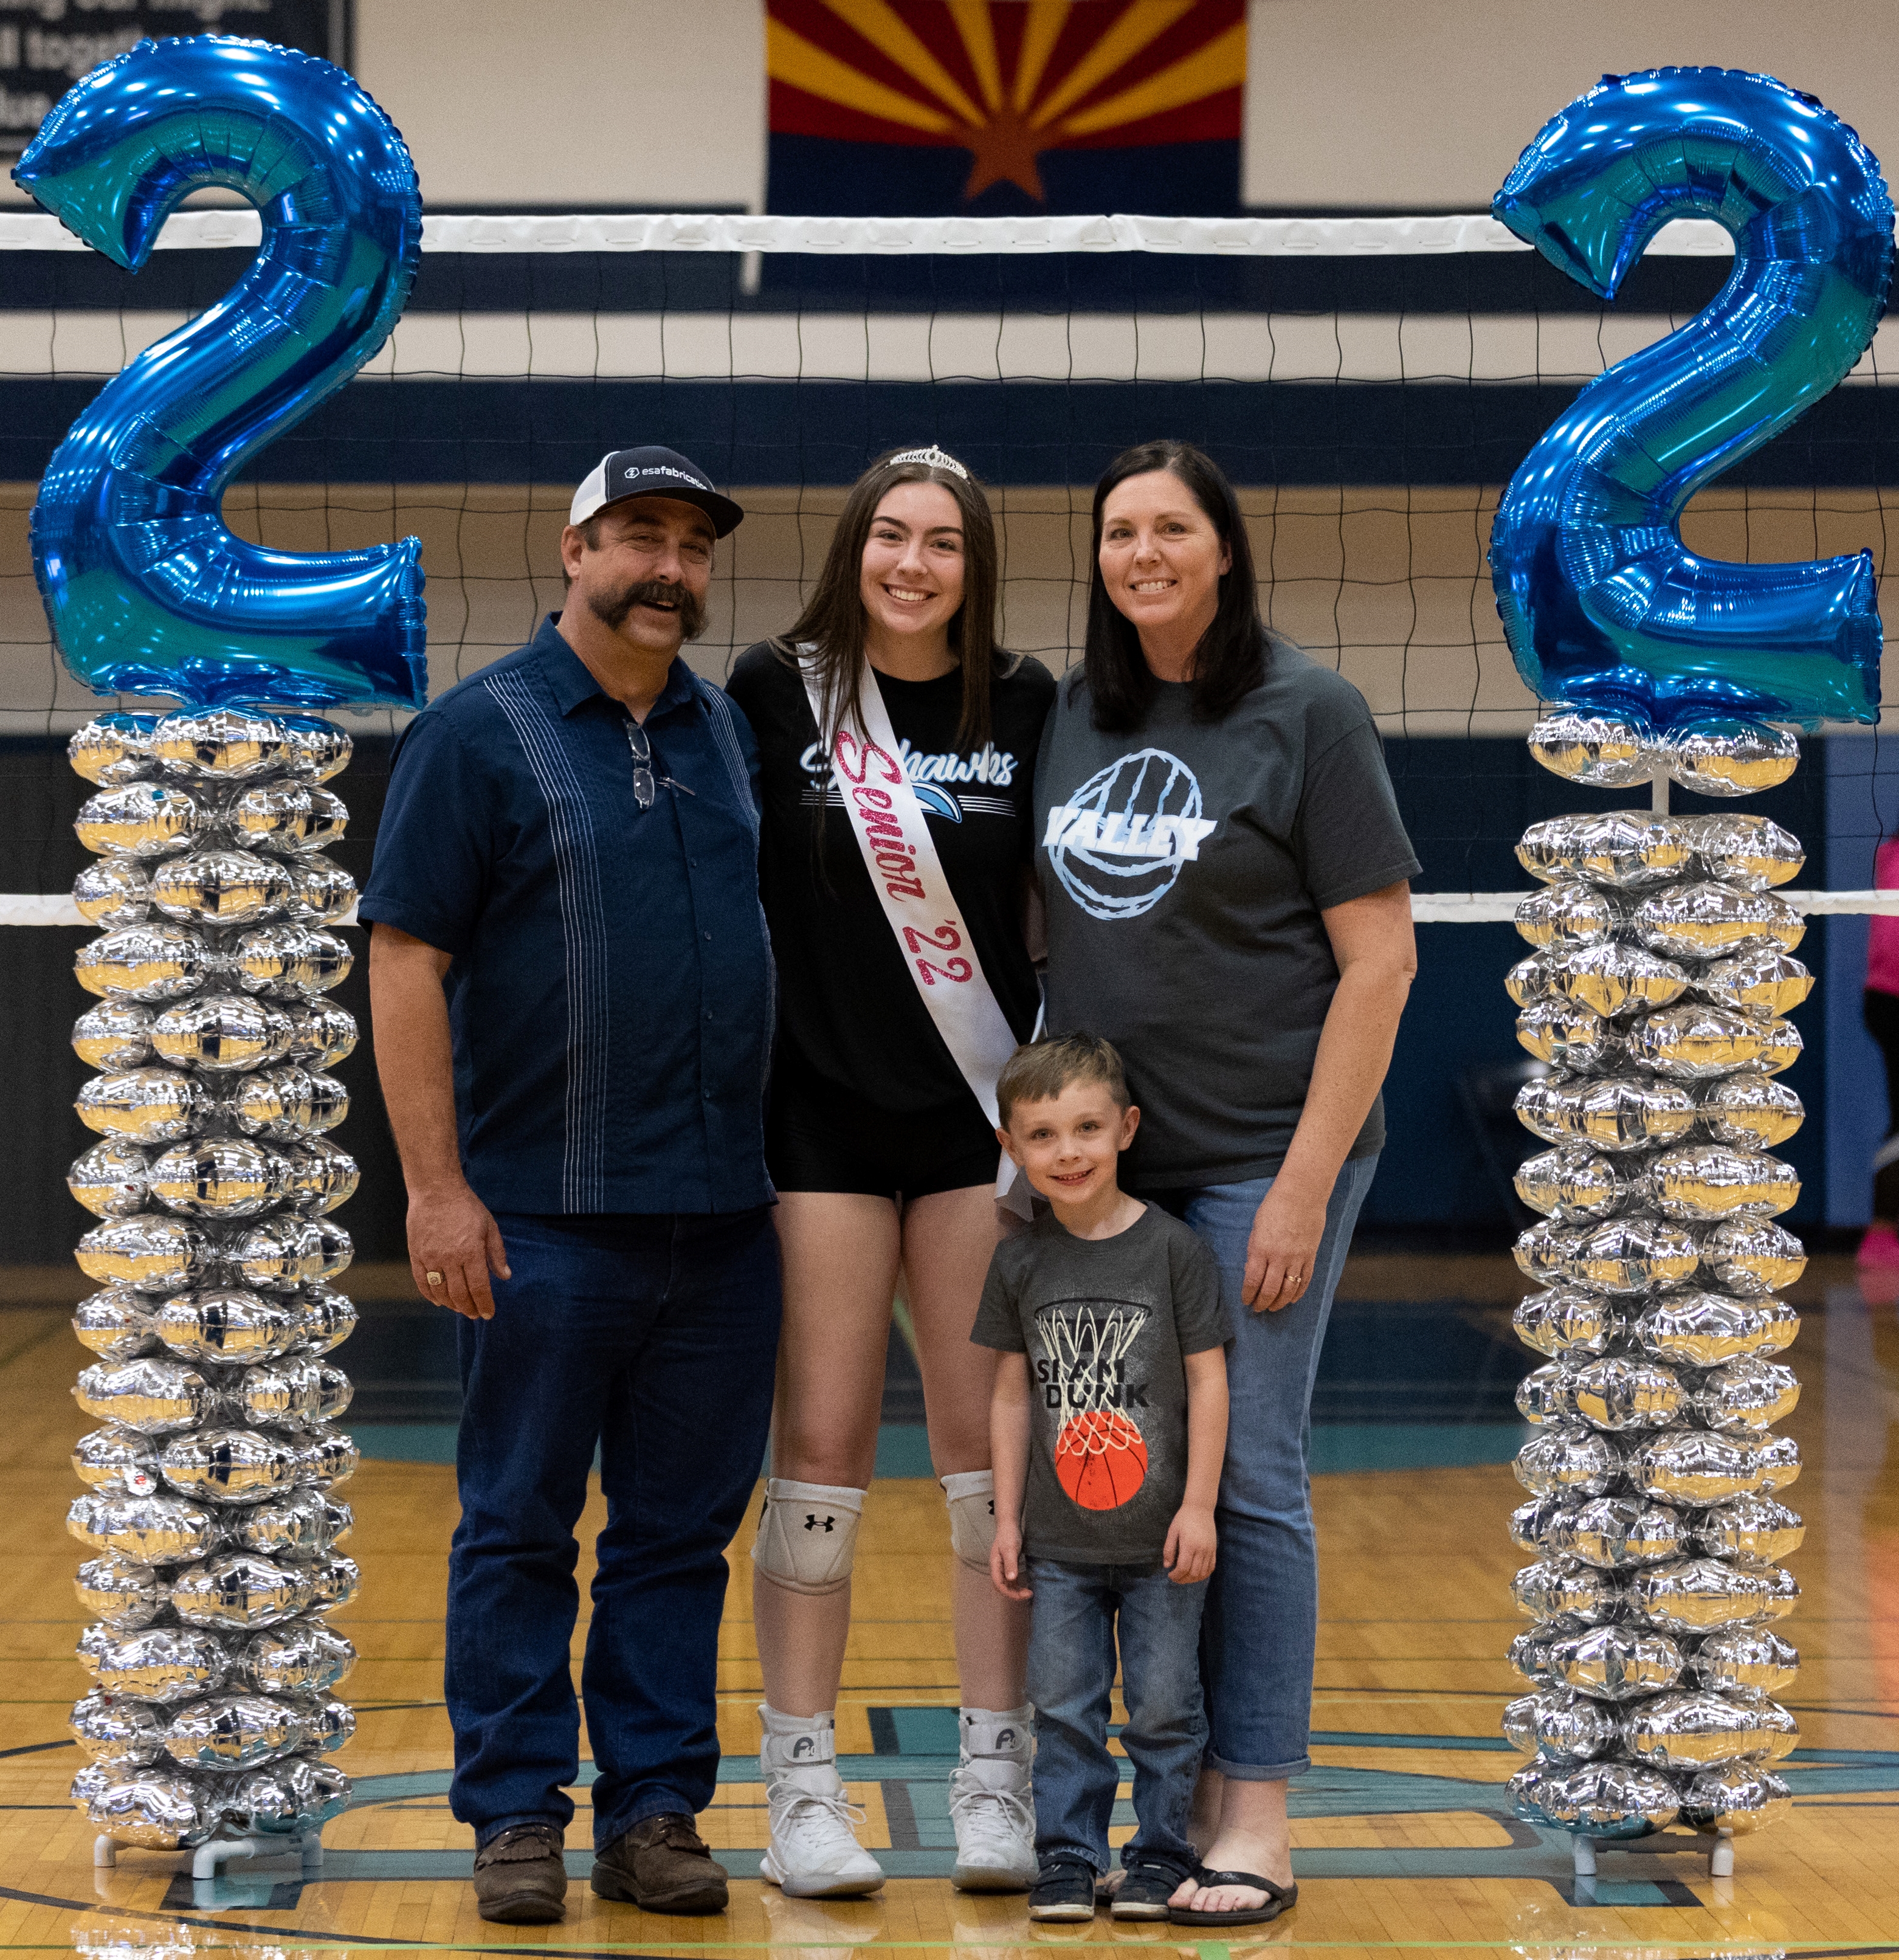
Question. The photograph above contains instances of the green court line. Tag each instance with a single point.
(905, 1326)
(1350, 1739)
(1737, 1946)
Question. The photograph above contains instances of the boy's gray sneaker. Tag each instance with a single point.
(1144, 1892)
(1064, 1889)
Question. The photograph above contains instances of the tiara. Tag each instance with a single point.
(932, 458)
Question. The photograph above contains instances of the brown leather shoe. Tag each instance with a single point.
(520, 1877)
(661, 1865)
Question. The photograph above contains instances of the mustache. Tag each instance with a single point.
(612, 612)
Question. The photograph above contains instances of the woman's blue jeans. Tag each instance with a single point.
(1081, 1612)
(654, 1338)
(1260, 1628)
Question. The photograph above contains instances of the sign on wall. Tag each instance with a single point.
(989, 107)
(45, 48)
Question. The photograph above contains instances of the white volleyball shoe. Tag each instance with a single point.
(991, 1801)
(814, 1852)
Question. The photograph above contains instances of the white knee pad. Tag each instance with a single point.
(808, 1534)
(970, 1495)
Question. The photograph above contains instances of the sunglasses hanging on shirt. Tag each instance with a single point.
(646, 783)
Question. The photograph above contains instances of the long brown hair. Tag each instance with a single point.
(832, 621)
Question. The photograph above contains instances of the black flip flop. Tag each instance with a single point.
(1279, 1898)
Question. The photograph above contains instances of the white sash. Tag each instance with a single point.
(887, 818)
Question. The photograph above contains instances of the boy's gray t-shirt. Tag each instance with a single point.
(1185, 865)
(1104, 1323)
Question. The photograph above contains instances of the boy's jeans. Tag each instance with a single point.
(1071, 1675)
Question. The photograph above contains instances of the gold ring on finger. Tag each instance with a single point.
(434, 1279)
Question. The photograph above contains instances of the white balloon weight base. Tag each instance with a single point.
(206, 1858)
(1720, 1852)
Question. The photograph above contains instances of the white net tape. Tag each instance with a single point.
(1427, 907)
(699, 231)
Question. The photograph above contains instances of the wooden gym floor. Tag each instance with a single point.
(1404, 1836)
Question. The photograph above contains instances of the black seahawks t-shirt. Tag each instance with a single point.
(850, 1012)
(1104, 1323)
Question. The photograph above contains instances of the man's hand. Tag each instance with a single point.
(1191, 1540)
(1005, 1562)
(454, 1244)
(453, 1241)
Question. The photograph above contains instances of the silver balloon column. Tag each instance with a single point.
(208, 1507)
(1661, 973)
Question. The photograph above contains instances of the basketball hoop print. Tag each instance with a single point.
(1101, 1456)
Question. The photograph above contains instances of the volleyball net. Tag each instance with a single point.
(1369, 384)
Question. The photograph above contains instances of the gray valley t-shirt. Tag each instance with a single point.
(1185, 865)
(1104, 1323)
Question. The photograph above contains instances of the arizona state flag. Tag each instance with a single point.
(930, 108)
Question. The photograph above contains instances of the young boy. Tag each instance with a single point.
(1107, 1430)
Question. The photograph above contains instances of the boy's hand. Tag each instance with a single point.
(1191, 1539)
(1005, 1563)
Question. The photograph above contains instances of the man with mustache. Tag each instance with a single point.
(572, 986)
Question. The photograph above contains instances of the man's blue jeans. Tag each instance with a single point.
(1078, 1611)
(1262, 1627)
(654, 1338)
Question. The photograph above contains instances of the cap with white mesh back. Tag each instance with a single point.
(652, 471)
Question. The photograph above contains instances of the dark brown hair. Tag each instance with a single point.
(1229, 661)
(832, 621)
(1039, 1071)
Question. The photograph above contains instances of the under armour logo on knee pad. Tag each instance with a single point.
(813, 1523)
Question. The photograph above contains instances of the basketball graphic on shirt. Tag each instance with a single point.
(1118, 843)
(1101, 1456)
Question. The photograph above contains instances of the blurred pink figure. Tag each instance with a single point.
(1878, 1256)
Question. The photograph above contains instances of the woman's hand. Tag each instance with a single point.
(1283, 1246)
(1372, 940)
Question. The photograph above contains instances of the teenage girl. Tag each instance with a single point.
(884, 1160)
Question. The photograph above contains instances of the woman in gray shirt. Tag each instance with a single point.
(1226, 878)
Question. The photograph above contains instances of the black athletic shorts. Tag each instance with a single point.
(818, 1138)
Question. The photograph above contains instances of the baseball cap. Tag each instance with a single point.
(652, 471)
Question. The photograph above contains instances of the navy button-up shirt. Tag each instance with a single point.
(610, 987)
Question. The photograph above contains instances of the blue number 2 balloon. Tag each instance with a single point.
(1603, 606)
(148, 591)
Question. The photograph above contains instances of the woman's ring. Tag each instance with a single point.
(434, 1279)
